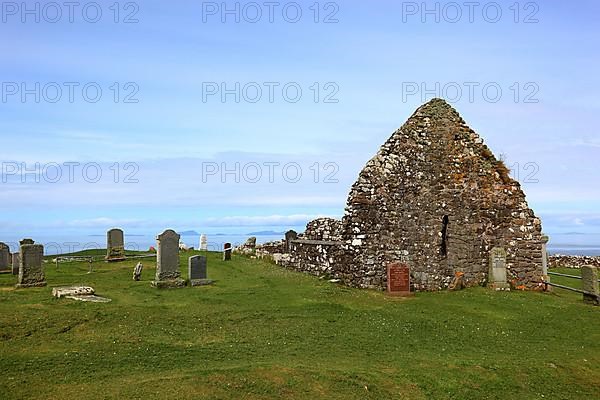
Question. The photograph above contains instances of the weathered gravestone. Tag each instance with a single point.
(203, 243)
(197, 271)
(497, 274)
(289, 236)
(168, 274)
(251, 242)
(16, 260)
(137, 271)
(31, 272)
(227, 252)
(589, 276)
(115, 245)
(4, 258)
(398, 279)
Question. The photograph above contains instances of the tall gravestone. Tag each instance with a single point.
(289, 236)
(497, 278)
(168, 274)
(16, 260)
(4, 258)
(197, 271)
(115, 245)
(227, 252)
(31, 272)
(203, 243)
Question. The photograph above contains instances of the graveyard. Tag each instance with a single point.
(260, 331)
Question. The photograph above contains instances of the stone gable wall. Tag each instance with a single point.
(436, 196)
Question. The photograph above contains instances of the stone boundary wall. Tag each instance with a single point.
(576, 262)
(315, 257)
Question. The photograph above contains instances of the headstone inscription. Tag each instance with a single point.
(398, 279)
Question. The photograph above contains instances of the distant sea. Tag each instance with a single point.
(570, 244)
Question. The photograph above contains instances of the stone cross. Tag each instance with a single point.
(31, 272)
(227, 252)
(4, 258)
(168, 274)
(16, 260)
(197, 271)
(137, 271)
(115, 245)
(497, 278)
(203, 243)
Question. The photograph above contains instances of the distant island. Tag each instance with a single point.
(264, 233)
(189, 233)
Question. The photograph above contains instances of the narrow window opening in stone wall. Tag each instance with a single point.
(444, 245)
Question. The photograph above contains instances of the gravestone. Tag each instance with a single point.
(168, 274)
(5, 258)
(398, 279)
(203, 243)
(31, 272)
(227, 252)
(251, 242)
(197, 271)
(497, 274)
(137, 271)
(289, 236)
(589, 277)
(81, 293)
(16, 260)
(115, 245)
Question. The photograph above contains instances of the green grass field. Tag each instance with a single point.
(262, 332)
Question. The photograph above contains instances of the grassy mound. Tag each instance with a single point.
(262, 332)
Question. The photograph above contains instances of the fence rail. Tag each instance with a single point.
(590, 291)
(566, 276)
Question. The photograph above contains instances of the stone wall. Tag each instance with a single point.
(328, 229)
(564, 261)
(316, 257)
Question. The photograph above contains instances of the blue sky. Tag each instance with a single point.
(373, 68)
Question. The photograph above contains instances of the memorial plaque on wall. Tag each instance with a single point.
(398, 279)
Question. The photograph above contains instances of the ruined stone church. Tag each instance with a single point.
(435, 197)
